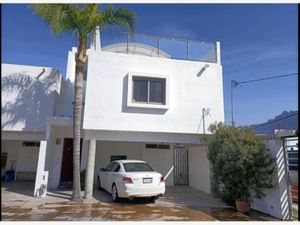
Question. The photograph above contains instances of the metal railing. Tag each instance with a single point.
(174, 48)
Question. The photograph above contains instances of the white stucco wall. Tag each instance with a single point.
(21, 135)
(199, 169)
(28, 96)
(26, 157)
(276, 201)
(106, 104)
(12, 149)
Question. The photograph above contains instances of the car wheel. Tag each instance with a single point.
(114, 193)
(98, 184)
(153, 198)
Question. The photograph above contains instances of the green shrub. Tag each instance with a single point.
(240, 163)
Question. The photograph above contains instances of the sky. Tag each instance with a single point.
(257, 41)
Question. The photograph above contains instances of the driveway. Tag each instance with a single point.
(180, 203)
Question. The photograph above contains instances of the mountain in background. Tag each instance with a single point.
(286, 121)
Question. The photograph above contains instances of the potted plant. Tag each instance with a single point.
(241, 165)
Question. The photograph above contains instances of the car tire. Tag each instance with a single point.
(98, 184)
(153, 198)
(114, 193)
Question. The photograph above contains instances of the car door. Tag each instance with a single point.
(105, 175)
(114, 174)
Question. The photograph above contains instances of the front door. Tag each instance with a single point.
(181, 169)
(66, 174)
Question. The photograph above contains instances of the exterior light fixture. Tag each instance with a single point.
(202, 70)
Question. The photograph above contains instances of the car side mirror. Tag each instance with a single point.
(102, 169)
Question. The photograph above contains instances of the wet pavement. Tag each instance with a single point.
(180, 203)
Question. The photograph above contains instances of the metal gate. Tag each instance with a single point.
(291, 147)
(292, 153)
(181, 167)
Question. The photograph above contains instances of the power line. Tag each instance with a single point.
(276, 120)
(266, 78)
(235, 84)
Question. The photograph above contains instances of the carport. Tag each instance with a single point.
(180, 164)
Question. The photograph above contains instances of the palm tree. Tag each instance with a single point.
(83, 21)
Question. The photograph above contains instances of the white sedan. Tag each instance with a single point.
(129, 179)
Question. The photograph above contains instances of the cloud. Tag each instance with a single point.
(247, 55)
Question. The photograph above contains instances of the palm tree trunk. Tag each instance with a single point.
(77, 114)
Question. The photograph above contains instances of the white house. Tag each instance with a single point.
(139, 103)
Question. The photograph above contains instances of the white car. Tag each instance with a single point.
(129, 179)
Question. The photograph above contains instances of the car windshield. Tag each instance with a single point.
(137, 167)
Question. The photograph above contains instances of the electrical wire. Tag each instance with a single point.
(266, 78)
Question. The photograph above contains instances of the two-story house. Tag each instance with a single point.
(139, 103)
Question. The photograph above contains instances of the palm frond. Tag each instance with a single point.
(60, 17)
(82, 20)
(120, 16)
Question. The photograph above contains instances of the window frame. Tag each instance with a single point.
(134, 78)
(148, 77)
(30, 144)
(108, 168)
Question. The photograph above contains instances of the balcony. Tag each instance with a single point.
(162, 47)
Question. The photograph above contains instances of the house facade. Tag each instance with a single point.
(139, 103)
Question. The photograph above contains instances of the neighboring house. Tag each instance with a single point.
(29, 97)
(139, 103)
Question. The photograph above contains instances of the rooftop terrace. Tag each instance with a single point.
(158, 46)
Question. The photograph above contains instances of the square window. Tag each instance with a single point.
(117, 157)
(151, 146)
(149, 90)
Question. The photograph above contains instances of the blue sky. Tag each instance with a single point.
(257, 40)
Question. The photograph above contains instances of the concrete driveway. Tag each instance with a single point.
(180, 203)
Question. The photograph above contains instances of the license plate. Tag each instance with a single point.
(147, 180)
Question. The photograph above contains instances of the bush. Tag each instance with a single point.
(240, 163)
